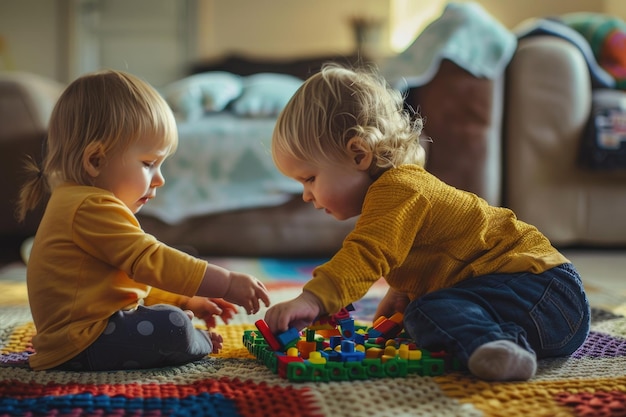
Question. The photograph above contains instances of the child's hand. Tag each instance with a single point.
(393, 302)
(207, 308)
(298, 313)
(246, 291)
(228, 309)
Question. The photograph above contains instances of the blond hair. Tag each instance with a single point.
(107, 109)
(338, 104)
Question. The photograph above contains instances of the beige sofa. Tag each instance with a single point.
(513, 140)
(548, 102)
(516, 141)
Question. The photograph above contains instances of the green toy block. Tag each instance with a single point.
(433, 366)
(374, 367)
(337, 372)
(355, 370)
(396, 367)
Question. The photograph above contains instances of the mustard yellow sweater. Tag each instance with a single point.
(90, 259)
(423, 235)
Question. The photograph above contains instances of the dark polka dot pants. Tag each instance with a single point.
(148, 337)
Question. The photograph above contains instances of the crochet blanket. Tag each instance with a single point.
(592, 382)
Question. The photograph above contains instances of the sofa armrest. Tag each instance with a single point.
(548, 103)
(462, 115)
(26, 102)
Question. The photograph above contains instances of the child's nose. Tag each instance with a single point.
(307, 196)
(158, 180)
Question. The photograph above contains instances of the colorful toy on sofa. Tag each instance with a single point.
(335, 348)
(606, 35)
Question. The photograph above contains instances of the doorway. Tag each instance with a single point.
(153, 39)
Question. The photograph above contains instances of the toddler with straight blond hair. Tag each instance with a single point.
(469, 278)
(104, 295)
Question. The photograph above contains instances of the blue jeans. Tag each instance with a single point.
(546, 313)
(147, 337)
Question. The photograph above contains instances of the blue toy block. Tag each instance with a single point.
(335, 341)
(347, 328)
(288, 339)
(331, 355)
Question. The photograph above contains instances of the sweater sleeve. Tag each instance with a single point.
(108, 231)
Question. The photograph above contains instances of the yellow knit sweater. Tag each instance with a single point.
(423, 235)
(90, 259)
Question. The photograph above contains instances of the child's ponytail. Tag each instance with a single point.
(34, 189)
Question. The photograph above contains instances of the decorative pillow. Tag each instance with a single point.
(265, 94)
(604, 141)
(191, 97)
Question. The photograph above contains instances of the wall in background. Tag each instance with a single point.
(281, 27)
(513, 13)
(290, 28)
(36, 36)
(31, 33)
(615, 7)
(151, 38)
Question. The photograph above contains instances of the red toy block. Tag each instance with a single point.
(283, 363)
(267, 334)
(386, 327)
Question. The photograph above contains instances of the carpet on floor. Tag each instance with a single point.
(591, 382)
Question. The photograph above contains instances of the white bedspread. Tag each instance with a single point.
(222, 163)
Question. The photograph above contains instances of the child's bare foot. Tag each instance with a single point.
(217, 341)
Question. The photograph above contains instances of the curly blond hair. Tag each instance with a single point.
(338, 104)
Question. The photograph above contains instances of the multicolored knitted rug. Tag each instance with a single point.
(592, 382)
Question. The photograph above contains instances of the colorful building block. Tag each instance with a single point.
(335, 348)
(267, 334)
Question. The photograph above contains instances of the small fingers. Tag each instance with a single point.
(259, 294)
(276, 321)
(263, 294)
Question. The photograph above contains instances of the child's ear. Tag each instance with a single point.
(93, 159)
(360, 153)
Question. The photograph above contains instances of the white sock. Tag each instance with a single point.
(502, 360)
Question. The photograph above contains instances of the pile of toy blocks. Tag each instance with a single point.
(335, 348)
